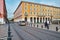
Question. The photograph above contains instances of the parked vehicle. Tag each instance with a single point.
(22, 23)
(56, 22)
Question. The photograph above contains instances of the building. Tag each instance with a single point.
(35, 12)
(3, 12)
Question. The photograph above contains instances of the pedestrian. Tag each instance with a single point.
(56, 28)
(41, 26)
(48, 22)
(37, 25)
(46, 25)
(34, 25)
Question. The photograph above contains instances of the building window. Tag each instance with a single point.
(25, 8)
(26, 4)
(30, 8)
(41, 14)
(49, 14)
(30, 4)
(48, 10)
(34, 13)
(25, 14)
(31, 13)
(34, 8)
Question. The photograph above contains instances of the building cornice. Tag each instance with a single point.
(40, 4)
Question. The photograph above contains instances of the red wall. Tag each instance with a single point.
(2, 9)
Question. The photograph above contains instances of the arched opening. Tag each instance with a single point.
(34, 20)
(30, 19)
(43, 19)
(25, 18)
(40, 20)
(46, 19)
(37, 20)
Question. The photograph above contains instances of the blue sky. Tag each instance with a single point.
(11, 5)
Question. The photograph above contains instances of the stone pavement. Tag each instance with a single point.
(51, 26)
(3, 31)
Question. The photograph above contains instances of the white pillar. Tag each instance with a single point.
(32, 20)
(47, 19)
(28, 20)
(36, 19)
(22, 19)
(42, 19)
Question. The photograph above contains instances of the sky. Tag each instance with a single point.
(11, 5)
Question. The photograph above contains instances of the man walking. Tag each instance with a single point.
(46, 25)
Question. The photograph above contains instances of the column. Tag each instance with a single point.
(39, 19)
(36, 19)
(32, 19)
(28, 20)
(42, 19)
(47, 18)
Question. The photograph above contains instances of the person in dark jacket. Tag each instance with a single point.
(46, 25)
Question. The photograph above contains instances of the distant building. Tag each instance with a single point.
(3, 12)
(35, 12)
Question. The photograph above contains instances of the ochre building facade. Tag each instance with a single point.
(35, 12)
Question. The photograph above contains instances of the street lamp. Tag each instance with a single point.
(9, 32)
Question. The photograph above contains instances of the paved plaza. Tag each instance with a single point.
(29, 32)
(52, 27)
(3, 31)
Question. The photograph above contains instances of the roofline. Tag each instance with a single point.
(18, 7)
(37, 4)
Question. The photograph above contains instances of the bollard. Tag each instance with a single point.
(37, 25)
(56, 28)
(34, 25)
(41, 26)
(30, 24)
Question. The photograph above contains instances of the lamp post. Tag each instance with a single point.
(9, 32)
